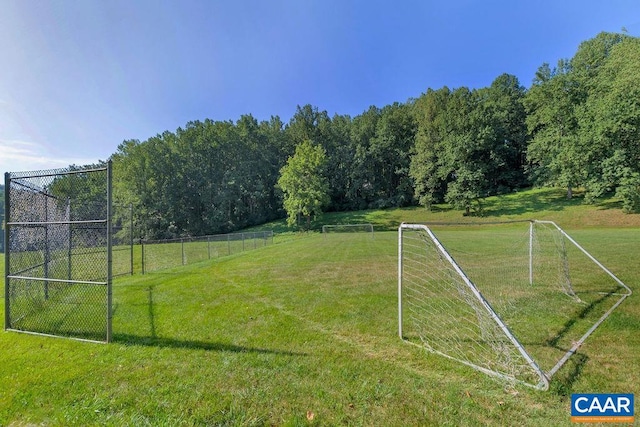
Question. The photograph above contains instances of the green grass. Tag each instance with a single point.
(542, 204)
(305, 328)
(174, 253)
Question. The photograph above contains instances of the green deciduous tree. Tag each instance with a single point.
(469, 143)
(553, 151)
(304, 187)
(427, 163)
(584, 119)
(610, 118)
(389, 152)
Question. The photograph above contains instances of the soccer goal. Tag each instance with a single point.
(348, 228)
(514, 300)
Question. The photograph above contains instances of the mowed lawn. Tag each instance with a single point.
(302, 332)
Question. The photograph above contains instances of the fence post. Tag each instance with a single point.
(70, 252)
(109, 229)
(7, 250)
(182, 246)
(142, 244)
(131, 235)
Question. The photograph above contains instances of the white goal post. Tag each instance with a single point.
(347, 228)
(511, 299)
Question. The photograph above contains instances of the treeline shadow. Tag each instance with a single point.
(152, 340)
(164, 342)
(529, 202)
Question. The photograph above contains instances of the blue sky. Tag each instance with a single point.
(79, 77)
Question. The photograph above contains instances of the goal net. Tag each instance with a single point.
(514, 300)
(348, 228)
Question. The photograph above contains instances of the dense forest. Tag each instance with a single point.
(576, 126)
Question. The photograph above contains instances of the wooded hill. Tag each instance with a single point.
(577, 125)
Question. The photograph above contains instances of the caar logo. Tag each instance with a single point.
(602, 408)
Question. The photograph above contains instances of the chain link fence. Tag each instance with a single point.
(163, 254)
(122, 240)
(58, 257)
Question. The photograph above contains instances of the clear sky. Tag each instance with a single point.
(77, 77)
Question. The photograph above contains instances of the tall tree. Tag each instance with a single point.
(361, 192)
(610, 118)
(340, 156)
(502, 106)
(427, 168)
(467, 151)
(304, 187)
(390, 151)
(554, 152)
(568, 111)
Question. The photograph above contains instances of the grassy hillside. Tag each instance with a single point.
(304, 332)
(542, 204)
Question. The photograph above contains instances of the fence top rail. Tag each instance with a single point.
(43, 223)
(52, 172)
(49, 279)
(234, 236)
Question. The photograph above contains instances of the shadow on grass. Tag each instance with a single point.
(563, 381)
(553, 342)
(530, 202)
(152, 340)
(129, 339)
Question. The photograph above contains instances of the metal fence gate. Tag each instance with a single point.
(58, 260)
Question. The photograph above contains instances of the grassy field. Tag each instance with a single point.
(304, 332)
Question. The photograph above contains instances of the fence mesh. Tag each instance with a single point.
(122, 240)
(57, 261)
(163, 254)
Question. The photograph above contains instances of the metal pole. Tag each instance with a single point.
(46, 248)
(142, 247)
(7, 249)
(131, 236)
(69, 252)
(109, 250)
(182, 246)
(531, 253)
(400, 281)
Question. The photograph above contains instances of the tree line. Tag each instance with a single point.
(578, 125)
